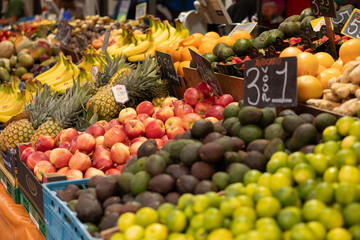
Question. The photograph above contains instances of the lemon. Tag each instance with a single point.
(213, 219)
(235, 189)
(268, 207)
(311, 209)
(354, 129)
(250, 189)
(126, 220)
(228, 206)
(352, 214)
(277, 160)
(324, 192)
(288, 217)
(270, 232)
(118, 236)
(287, 196)
(176, 221)
(145, 216)
(287, 171)
(184, 201)
(135, 232)
(197, 221)
(318, 229)
(349, 174)
(261, 192)
(355, 231)
(331, 218)
(254, 235)
(349, 141)
(251, 176)
(303, 172)
(241, 225)
(245, 201)
(301, 232)
(200, 203)
(343, 125)
(345, 193)
(279, 180)
(319, 148)
(295, 158)
(346, 157)
(215, 199)
(331, 175)
(220, 233)
(319, 162)
(330, 133)
(156, 230)
(265, 221)
(163, 210)
(264, 180)
(246, 213)
(338, 234)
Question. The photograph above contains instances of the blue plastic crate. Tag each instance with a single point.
(61, 222)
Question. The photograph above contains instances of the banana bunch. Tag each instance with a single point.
(11, 102)
(91, 58)
(61, 75)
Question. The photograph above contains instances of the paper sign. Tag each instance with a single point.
(352, 26)
(316, 24)
(140, 10)
(106, 41)
(124, 8)
(341, 17)
(167, 68)
(324, 8)
(270, 82)
(63, 33)
(246, 26)
(94, 73)
(120, 94)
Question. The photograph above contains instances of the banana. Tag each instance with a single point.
(52, 72)
(4, 118)
(14, 107)
(67, 81)
(67, 74)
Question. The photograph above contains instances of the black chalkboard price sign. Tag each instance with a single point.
(205, 71)
(341, 17)
(63, 33)
(324, 8)
(270, 82)
(167, 68)
(352, 27)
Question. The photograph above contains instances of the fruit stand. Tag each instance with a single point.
(140, 130)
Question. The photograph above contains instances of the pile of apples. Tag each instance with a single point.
(105, 147)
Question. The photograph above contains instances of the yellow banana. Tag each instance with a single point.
(4, 118)
(14, 107)
(69, 80)
(58, 67)
(62, 78)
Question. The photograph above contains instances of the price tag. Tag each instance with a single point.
(270, 82)
(120, 94)
(205, 71)
(341, 17)
(140, 10)
(324, 8)
(316, 24)
(94, 73)
(246, 26)
(352, 26)
(167, 68)
(123, 11)
(63, 33)
(106, 41)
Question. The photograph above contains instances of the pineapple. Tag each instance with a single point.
(16, 132)
(158, 101)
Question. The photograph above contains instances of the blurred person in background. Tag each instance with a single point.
(242, 11)
(15, 9)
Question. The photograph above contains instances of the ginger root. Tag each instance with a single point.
(323, 104)
(345, 77)
(343, 90)
(348, 108)
(328, 95)
(354, 75)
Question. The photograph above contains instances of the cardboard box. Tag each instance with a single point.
(9, 161)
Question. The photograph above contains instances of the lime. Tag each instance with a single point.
(301, 232)
(163, 210)
(319, 162)
(349, 141)
(338, 234)
(264, 179)
(349, 174)
(305, 188)
(200, 203)
(212, 219)
(220, 233)
(235, 189)
(268, 207)
(201, 234)
(261, 192)
(355, 129)
(287, 196)
(189, 213)
(351, 214)
(135, 232)
(271, 232)
(277, 160)
(145, 216)
(118, 236)
(228, 206)
(324, 192)
(318, 229)
(345, 157)
(254, 235)
(251, 176)
(303, 172)
(319, 148)
(184, 200)
(227, 222)
(286, 235)
(295, 158)
(343, 125)
(356, 148)
(287, 171)
(242, 236)
(265, 221)
(245, 201)
(215, 199)
(242, 46)
(177, 236)
(176, 221)
(210, 57)
(246, 213)
(330, 133)
(331, 175)
(279, 180)
(288, 217)
(126, 220)
(197, 221)
(345, 193)
(250, 189)
(156, 230)
(240, 226)
(311, 209)
(331, 218)
(355, 231)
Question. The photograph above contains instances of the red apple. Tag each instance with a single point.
(169, 102)
(43, 167)
(62, 170)
(73, 174)
(159, 142)
(125, 112)
(120, 167)
(212, 119)
(201, 107)
(173, 121)
(224, 100)
(80, 161)
(193, 96)
(103, 163)
(174, 130)
(155, 111)
(86, 143)
(66, 145)
(143, 116)
(128, 118)
(165, 139)
(111, 124)
(44, 143)
(119, 152)
(205, 89)
(112, 171)
(101, 151)
(145, 107)
(96, 130)
(60, 157)
(68, 135)
(73, 145)
(164, 113)
(215, 111)
(134, 129)
(148, 120)
(102, 123)
(182, 110)
(135, 146)
(189, 120)
(211, 100)
(234, 104)
(25, 154)
(47, 153)
(114, 135)
(93, 172)
(139, 139)
(57, 138)
(34, 158)
(155, 129)
(99, 140)
(179, 103)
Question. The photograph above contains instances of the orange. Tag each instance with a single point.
(321, 68)
(241, 34)
(338, 64)
(308, 87)
(307, 64)
(226, 39)
(195, 42)
(173, 46)
(290, 52)
(349, 50)
(162, 47)
(326, 75)
(325, 59)
(207, 46)
(347, 65)
(181, 65)
(176, 54)
(213, 35)
(185, 53)
(176, 65)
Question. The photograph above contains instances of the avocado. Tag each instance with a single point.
(235, 129)
(212, 152)
(224, 53)
(221, 180)
(111, 200)
(242, 46)
(237, 171)
(230, 111)
(293, 18)
(259, 42)
(250, 132)
(190, 153)
(306, 12)
(115, 207)
(127, 197)
(139, 183)
(290, 123)
(274, 131)
(268, 117)
(176, 170)
(237, 143)
(249, 115)
(255, 160)
(166, 156)
(162, 183)
(275, 145)
(106, 188)
(139, 165)
(72, 204)
(109, 221)
(88, 210)
(176, 148)
(226, 143)
(66, 196)
(218, 47)
(124, 181)
(306, 22)
(304, 134)
(202, 170)
(211, 137)
(150, 199)
(323, 120)
(279, 120)
(290, 29)
(91, 228)
(89, 191)
(94, 180)
(264, 34)
(128, 165)
(232, 157)
(286, 112)
(201, 128)
(258, 145)
(172, 197)
(205, 186)
(167, 146)
(228, 123)
(148, 148)
(271, 38)
(131, 206)
(71, 188)
(155, 164)
(308, 149)
(186, 184)
(219, 128)
(307, 117)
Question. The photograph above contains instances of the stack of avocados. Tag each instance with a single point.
(293, 25)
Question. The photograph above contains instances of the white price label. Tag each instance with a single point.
(4, 184)
(120, 94)
(94, 73)
(34, 220)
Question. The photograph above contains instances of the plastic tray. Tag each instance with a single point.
(8, 184)
(61, 222)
